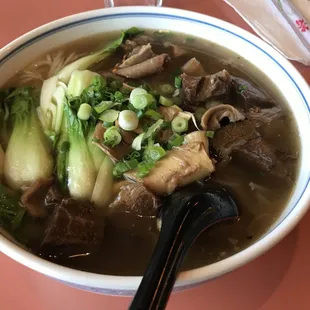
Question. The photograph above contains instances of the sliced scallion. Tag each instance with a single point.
(84, 112)
(175, 140)
(105, 105)
(128, 120)
(109, 116)
(142, 101)
(210, 134)
(177, 82)
(137, 91)
(121, 167)
(153, 114)
(166, 89)
(154, 153)
(144, 168)
(165, 101)
(179, 124)
(112, 137)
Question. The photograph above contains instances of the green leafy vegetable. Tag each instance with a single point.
(80, 80)
(103, 193)
(28, 154)
(11, 213)
(80, 166)
(121, 167)
(87, 61)
(210, 134)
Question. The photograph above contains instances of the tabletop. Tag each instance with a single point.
(276, 280)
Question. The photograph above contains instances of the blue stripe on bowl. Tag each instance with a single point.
(162, 16)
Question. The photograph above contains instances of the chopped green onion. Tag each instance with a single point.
(189, 39)
(128, 120)
(175, 140)
(107, 124)
(84, 112)
(124, 166)
(210, 134)
(105, 105)
(119, 97)
(165, 101)
(109, 116)
(144, 168)
(135, 92)
(154, 153)
(112, 137)
(242, 88)
(162, 34)
(166, 89)
(177, 82)
(179, 124)
(176, 93)
(140, 113)
(153, 114)
(177, 72)
(137, 142)
(153, 129)
(142, 101)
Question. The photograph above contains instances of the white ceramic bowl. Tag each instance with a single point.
(290, 83)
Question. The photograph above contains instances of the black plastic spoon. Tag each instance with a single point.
(185, 215)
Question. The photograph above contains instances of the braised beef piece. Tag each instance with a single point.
(199, 89)
(129, 45)
(222, 86)
(33, 197)
(241, 141)
(248, 95)
(74, 223)
(135, 198)
(53, 195)
(232, 137)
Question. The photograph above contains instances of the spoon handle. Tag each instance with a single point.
(159, 278)
(180, 227)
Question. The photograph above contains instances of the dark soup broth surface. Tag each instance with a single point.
(91, 152)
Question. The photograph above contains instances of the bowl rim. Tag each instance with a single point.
(201, 274)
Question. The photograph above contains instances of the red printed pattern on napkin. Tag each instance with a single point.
(302, 25)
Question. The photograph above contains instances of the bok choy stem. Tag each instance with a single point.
(28, 155)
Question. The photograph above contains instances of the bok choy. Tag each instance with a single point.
(70, 81)
(28, 154)
(80, 166)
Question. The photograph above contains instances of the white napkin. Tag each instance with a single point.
(285, 24)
